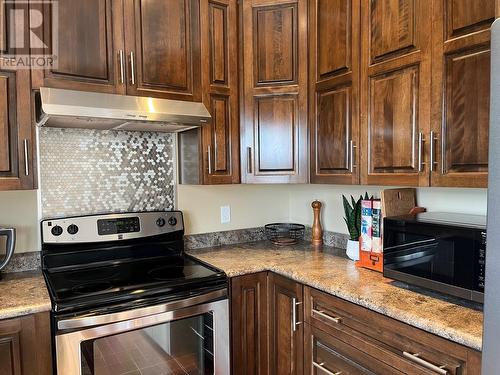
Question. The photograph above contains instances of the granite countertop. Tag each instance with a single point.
(328, 270)
(23, 293)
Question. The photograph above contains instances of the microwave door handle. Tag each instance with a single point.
(417, 257)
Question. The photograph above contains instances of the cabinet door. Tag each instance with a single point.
(219, 50)
(461, 92)
(17, 146)
(162, 39)
(249, 324)
(334, 90)
(25, 345)
(395, 90)
(87, 37)
(274, 110)
(286, 328)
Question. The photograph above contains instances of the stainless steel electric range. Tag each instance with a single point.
(127, 300)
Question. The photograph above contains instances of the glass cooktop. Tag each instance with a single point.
(129, 280)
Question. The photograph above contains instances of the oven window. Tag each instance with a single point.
(183, 346)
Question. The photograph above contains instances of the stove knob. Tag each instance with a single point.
(160, 222)
(172, 221)
(72, 229)
(56, 231)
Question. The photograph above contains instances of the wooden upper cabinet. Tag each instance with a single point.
(86, 37)
(219, 50)
(461, 92)
(286, 326)
(162, 40)
(274, 108)
(395, 90)
(334, 27)
(17, 146)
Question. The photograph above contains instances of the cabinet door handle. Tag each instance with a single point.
(132, 68)
(326, 316)
(249, 159)
(122, 67)
(320, 367)
(209, 152)
(416, 358)
(352, 146)
(295, 323)
(421, 141)
(26, 158)
(433, 151)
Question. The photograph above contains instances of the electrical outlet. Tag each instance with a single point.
(225, 214)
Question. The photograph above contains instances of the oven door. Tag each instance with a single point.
(162, 339)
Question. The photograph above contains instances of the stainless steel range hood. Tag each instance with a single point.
(88, 110)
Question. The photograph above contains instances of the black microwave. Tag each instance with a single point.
(444, 252)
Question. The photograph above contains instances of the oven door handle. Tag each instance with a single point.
(97, 320)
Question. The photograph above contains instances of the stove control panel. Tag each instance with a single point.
(111, 227)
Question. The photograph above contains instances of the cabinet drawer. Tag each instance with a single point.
(396, 344)
(326, 355)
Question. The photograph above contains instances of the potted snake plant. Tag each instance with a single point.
(352, 219)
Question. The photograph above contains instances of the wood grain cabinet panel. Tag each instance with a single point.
(392, 27)
(219, 50)
(25, 345)
(466, 16)
(334, 90)
(466, 124)
(333, 21)
(86, 37)
(276, 129)
(395, 92)
(17, 146)
(460, 92)
(286, 328)
(333, 132)
(275, 41)
(162, 39)
(250, 324)
(274, 92)
(392, 128)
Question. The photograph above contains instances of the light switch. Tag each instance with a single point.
(225, 214)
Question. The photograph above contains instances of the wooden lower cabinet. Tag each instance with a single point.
(286, 328)
(249, 324)
(282, 327)
(25, 345)
(357, 333)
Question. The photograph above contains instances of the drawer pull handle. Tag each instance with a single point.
(326, 316)
(416, 358)
(320, 367)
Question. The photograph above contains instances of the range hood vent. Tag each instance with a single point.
(88, 110)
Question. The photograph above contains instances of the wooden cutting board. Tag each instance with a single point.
(396, 202)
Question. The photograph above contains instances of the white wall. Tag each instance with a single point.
(471, 201)
(19, 209)
(251, 206)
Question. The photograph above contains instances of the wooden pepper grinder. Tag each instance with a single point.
(317, 230)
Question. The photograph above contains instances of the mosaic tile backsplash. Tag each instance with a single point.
(95, 171)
